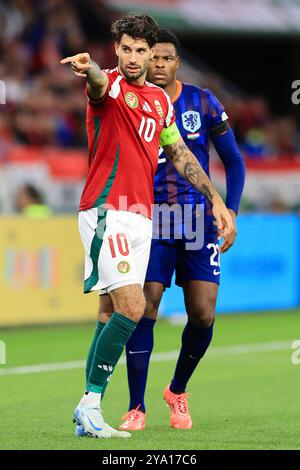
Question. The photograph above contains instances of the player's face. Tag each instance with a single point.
(134, 56)
(164, 64)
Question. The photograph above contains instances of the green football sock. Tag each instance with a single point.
(108, 350)
(99, 328)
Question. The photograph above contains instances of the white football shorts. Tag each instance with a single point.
(117, 247)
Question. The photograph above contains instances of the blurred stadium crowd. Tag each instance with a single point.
(44, 100)
(45, 108)
(44, 104)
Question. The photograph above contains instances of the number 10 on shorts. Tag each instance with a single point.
(118, 243)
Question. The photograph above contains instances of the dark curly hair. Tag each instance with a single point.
(165, 35)
(137, 27)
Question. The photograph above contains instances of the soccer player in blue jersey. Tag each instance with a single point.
(200, 117)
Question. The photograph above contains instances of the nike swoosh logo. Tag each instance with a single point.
(216, 272)
(138, 352)
(93, 426)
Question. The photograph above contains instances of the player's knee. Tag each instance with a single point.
(153, 293)
(151, 310)
(133, 308)
(202, 314)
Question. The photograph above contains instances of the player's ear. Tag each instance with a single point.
(117, 46)
(177, 61)
(152, 49)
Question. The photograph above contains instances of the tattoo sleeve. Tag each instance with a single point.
(188, 166)
(97, 81)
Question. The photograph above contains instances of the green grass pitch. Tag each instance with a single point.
(244, 397)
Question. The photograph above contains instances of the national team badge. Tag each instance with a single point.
(158, 108)
(123, 267)
(191, 121)
(131, 100)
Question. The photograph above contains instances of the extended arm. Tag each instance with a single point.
(84, 66)
(188, 166)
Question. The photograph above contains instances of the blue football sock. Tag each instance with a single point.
(195, 342)
(138, 352)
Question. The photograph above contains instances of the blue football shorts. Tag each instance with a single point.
(170, 255)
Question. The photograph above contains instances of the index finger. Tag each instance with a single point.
(67, 60)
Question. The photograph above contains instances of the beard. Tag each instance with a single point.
(133, 76)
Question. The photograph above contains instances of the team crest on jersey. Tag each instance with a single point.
(158, 108)
(123, 267)
(191, 121)
(131, 100)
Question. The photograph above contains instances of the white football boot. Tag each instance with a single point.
(90, 422)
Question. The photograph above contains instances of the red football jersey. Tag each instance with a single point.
(124, 130)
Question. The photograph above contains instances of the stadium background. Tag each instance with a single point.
(247, 53)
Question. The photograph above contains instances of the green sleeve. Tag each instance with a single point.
(169, 135)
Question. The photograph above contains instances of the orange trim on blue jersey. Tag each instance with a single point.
(178, 91)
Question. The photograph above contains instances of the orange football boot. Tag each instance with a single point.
(180, 415)
(135, 420)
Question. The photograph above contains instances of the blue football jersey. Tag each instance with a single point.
(197, 111)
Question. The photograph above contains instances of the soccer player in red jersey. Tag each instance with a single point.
(127, 120)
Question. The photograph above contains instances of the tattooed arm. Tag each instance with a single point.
(188, 166)
(97, 81)
(84, 66)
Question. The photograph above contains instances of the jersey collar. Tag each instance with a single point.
(178, 91)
